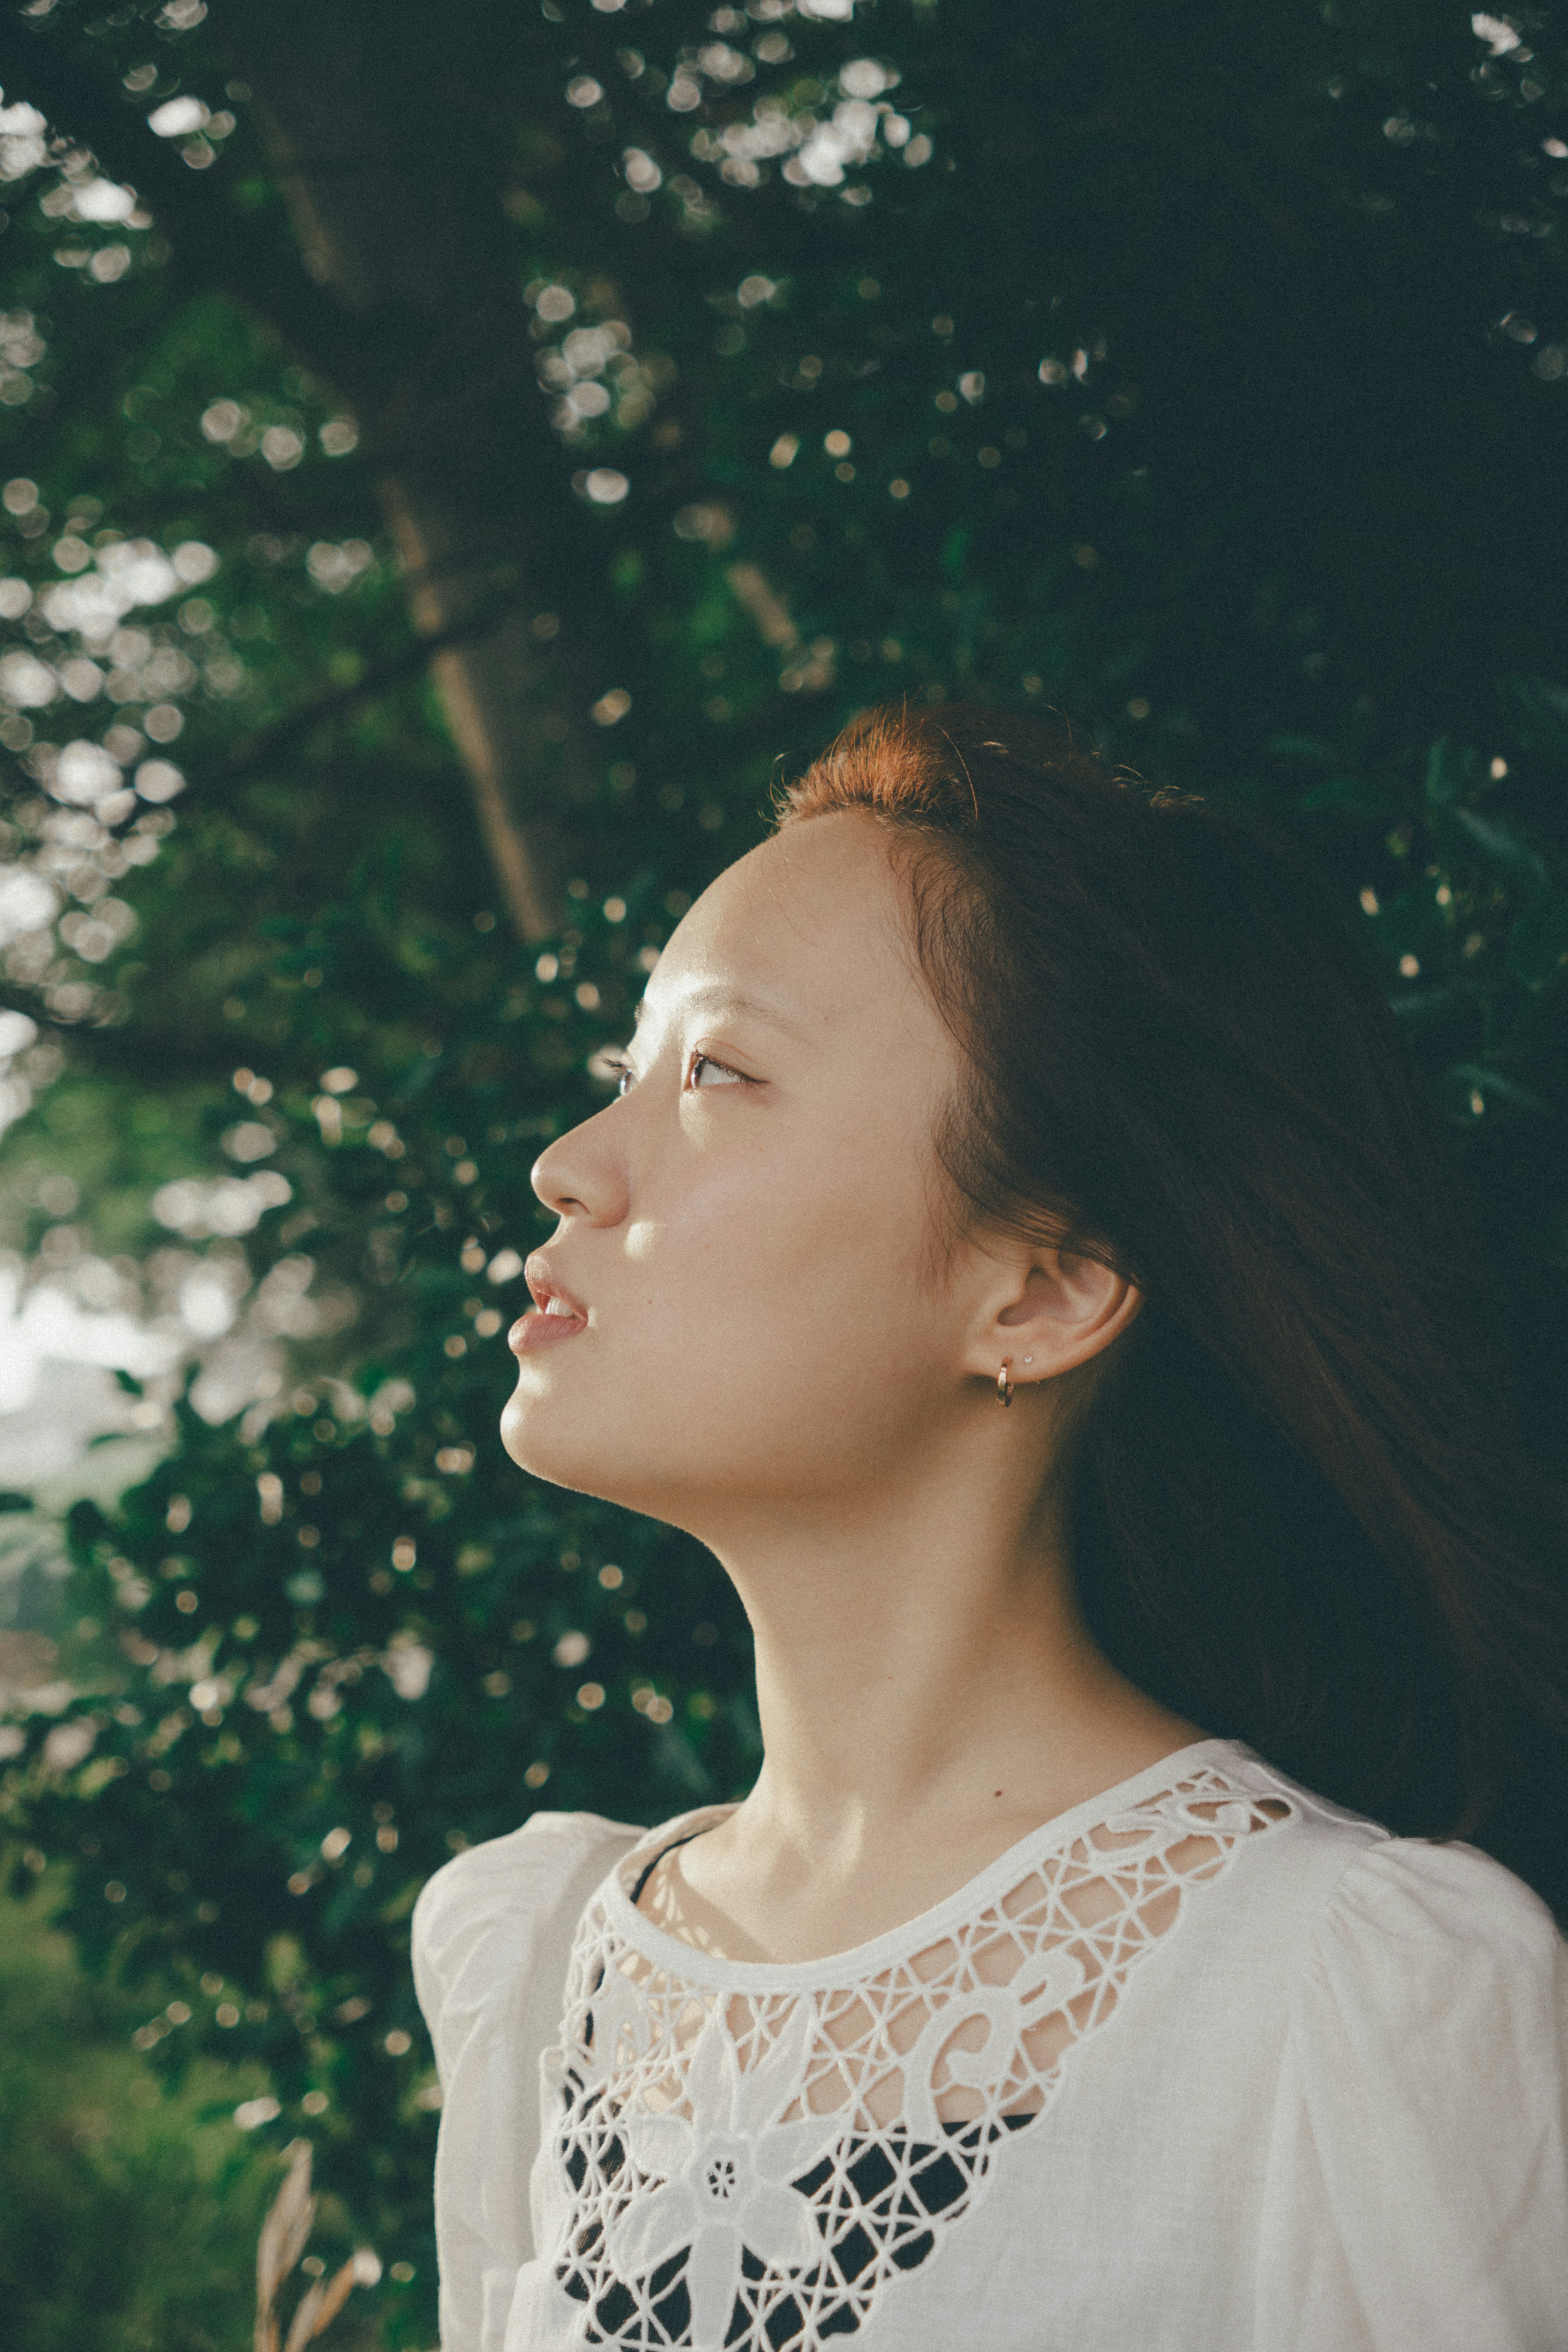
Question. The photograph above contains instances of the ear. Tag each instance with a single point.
(1050, 1312)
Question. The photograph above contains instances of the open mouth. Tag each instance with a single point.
(555, 1314)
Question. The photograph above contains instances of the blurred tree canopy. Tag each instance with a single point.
(452, 456)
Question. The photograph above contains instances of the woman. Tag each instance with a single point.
(1018, 1252)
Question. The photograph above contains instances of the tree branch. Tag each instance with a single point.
(397, 303)
(255, 752)
(212, 242)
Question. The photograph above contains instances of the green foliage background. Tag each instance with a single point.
(129, 2209)
(1205, 382)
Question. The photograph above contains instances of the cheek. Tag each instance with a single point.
(781, 1241)
(782, 1312)
(766, 1312)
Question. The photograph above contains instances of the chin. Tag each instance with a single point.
(547, 1442)
(548, 1439)
(550, 1444)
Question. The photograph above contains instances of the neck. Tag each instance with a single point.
(921, 1660)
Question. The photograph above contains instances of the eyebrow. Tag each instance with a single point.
(731, 1000)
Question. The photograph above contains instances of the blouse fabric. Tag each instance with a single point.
(1206, 2065)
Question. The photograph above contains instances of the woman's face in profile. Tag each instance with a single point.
(745, 1251)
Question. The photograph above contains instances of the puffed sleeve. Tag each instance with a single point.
(491, 1937)
(1416, 2192)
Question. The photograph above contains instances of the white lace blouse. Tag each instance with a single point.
(1203, 2064)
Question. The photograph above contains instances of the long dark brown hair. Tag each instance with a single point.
(1301, 1514)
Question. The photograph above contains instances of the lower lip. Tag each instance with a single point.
(536, 1331)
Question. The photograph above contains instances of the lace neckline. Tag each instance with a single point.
(703, 1969)
(748, 2155)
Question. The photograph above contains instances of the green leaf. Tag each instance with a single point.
(1493, 1086)
(1302, 747)
(1538, 944)
(1502, 847)
(1451, 770)
(1535, 710)
(1358, 795)
(87, 1523)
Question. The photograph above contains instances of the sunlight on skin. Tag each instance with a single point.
(755, 1350)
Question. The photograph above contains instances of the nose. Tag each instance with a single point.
(581, 1175)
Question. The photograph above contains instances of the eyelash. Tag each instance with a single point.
(622, 1067)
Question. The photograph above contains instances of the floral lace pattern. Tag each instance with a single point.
(746, 2171)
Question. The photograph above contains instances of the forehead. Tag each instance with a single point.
(808, 930)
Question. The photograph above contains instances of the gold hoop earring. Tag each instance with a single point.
(1005, 1386)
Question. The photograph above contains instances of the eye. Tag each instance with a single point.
(617, 1066)
(717, 1075)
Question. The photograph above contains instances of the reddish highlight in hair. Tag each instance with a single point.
(1301, 1515)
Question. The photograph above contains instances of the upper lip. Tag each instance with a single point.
(543, 1286)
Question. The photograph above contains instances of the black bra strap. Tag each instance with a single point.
(644, 1876)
